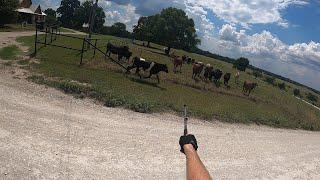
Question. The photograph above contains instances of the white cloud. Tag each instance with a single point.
(120, 13)
(300, 61)
(246, 12)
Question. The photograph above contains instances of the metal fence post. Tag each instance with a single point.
(51, 32)
(35, 41)
(45, 37)
(82, 51)
(95, 47)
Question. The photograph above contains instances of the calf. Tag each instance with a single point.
(248, 87)
(152, 67)
(226, 78)
(121, 51)
(197, 69)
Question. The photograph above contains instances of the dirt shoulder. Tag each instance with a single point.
(45, 134)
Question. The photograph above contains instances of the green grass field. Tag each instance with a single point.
(9, 52)
(103, 80)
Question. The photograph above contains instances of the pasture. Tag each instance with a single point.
(103, 80)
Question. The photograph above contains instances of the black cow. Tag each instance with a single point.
(121, 51)
(226, 78)
(153, 67)
(217, 74)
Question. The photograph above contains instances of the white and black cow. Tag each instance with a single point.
(152, 67)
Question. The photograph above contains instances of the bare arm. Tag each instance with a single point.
(195, 168)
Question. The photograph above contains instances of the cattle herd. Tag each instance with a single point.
(200, 71)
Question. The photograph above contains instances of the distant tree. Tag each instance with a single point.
(171, 28)
(51, 16)
(117, 29)
(67, 12)
(312, 97)
(82, 15)
(257, 74)
(296, 92)
(270, 80)
(241, 64)
(7, 11)
(282, 86)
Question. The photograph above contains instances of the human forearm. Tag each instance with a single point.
(195, 168)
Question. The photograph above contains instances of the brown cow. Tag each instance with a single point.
(248, 87)
(226, 78)
(197, 69)
(177, 62)
(207, 72)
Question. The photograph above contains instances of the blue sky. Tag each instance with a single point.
(282, 36)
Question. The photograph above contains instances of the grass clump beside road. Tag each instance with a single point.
(81, 91)
(102, 80)
(9, 52)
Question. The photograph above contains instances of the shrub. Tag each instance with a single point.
(270, 80)
(282, 86)
(257, 74)
(311, 97)
(296, 92)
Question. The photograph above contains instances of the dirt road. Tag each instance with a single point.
(45, 134)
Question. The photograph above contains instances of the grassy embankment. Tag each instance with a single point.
(100, 79)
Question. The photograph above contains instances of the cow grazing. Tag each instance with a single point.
(226, 78)
(121, 51)
(197, 69)
(217, 74)
(248, 87)
(207, 74)
(177, 63)
(152, 67)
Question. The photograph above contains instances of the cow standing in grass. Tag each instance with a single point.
(197, 69)
(217, 74)
(248, 87)
(207, 74)
(152, 67)
(226, 79)
(121, 51)
(237, 77)
(177, 63)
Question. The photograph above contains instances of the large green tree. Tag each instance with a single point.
(67, 12)
(51, 16)
(82, 15)
(241, 64)
(117, 29)
(171, 27)
(7, 11)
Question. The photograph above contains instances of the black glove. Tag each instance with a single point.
(189, 139)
